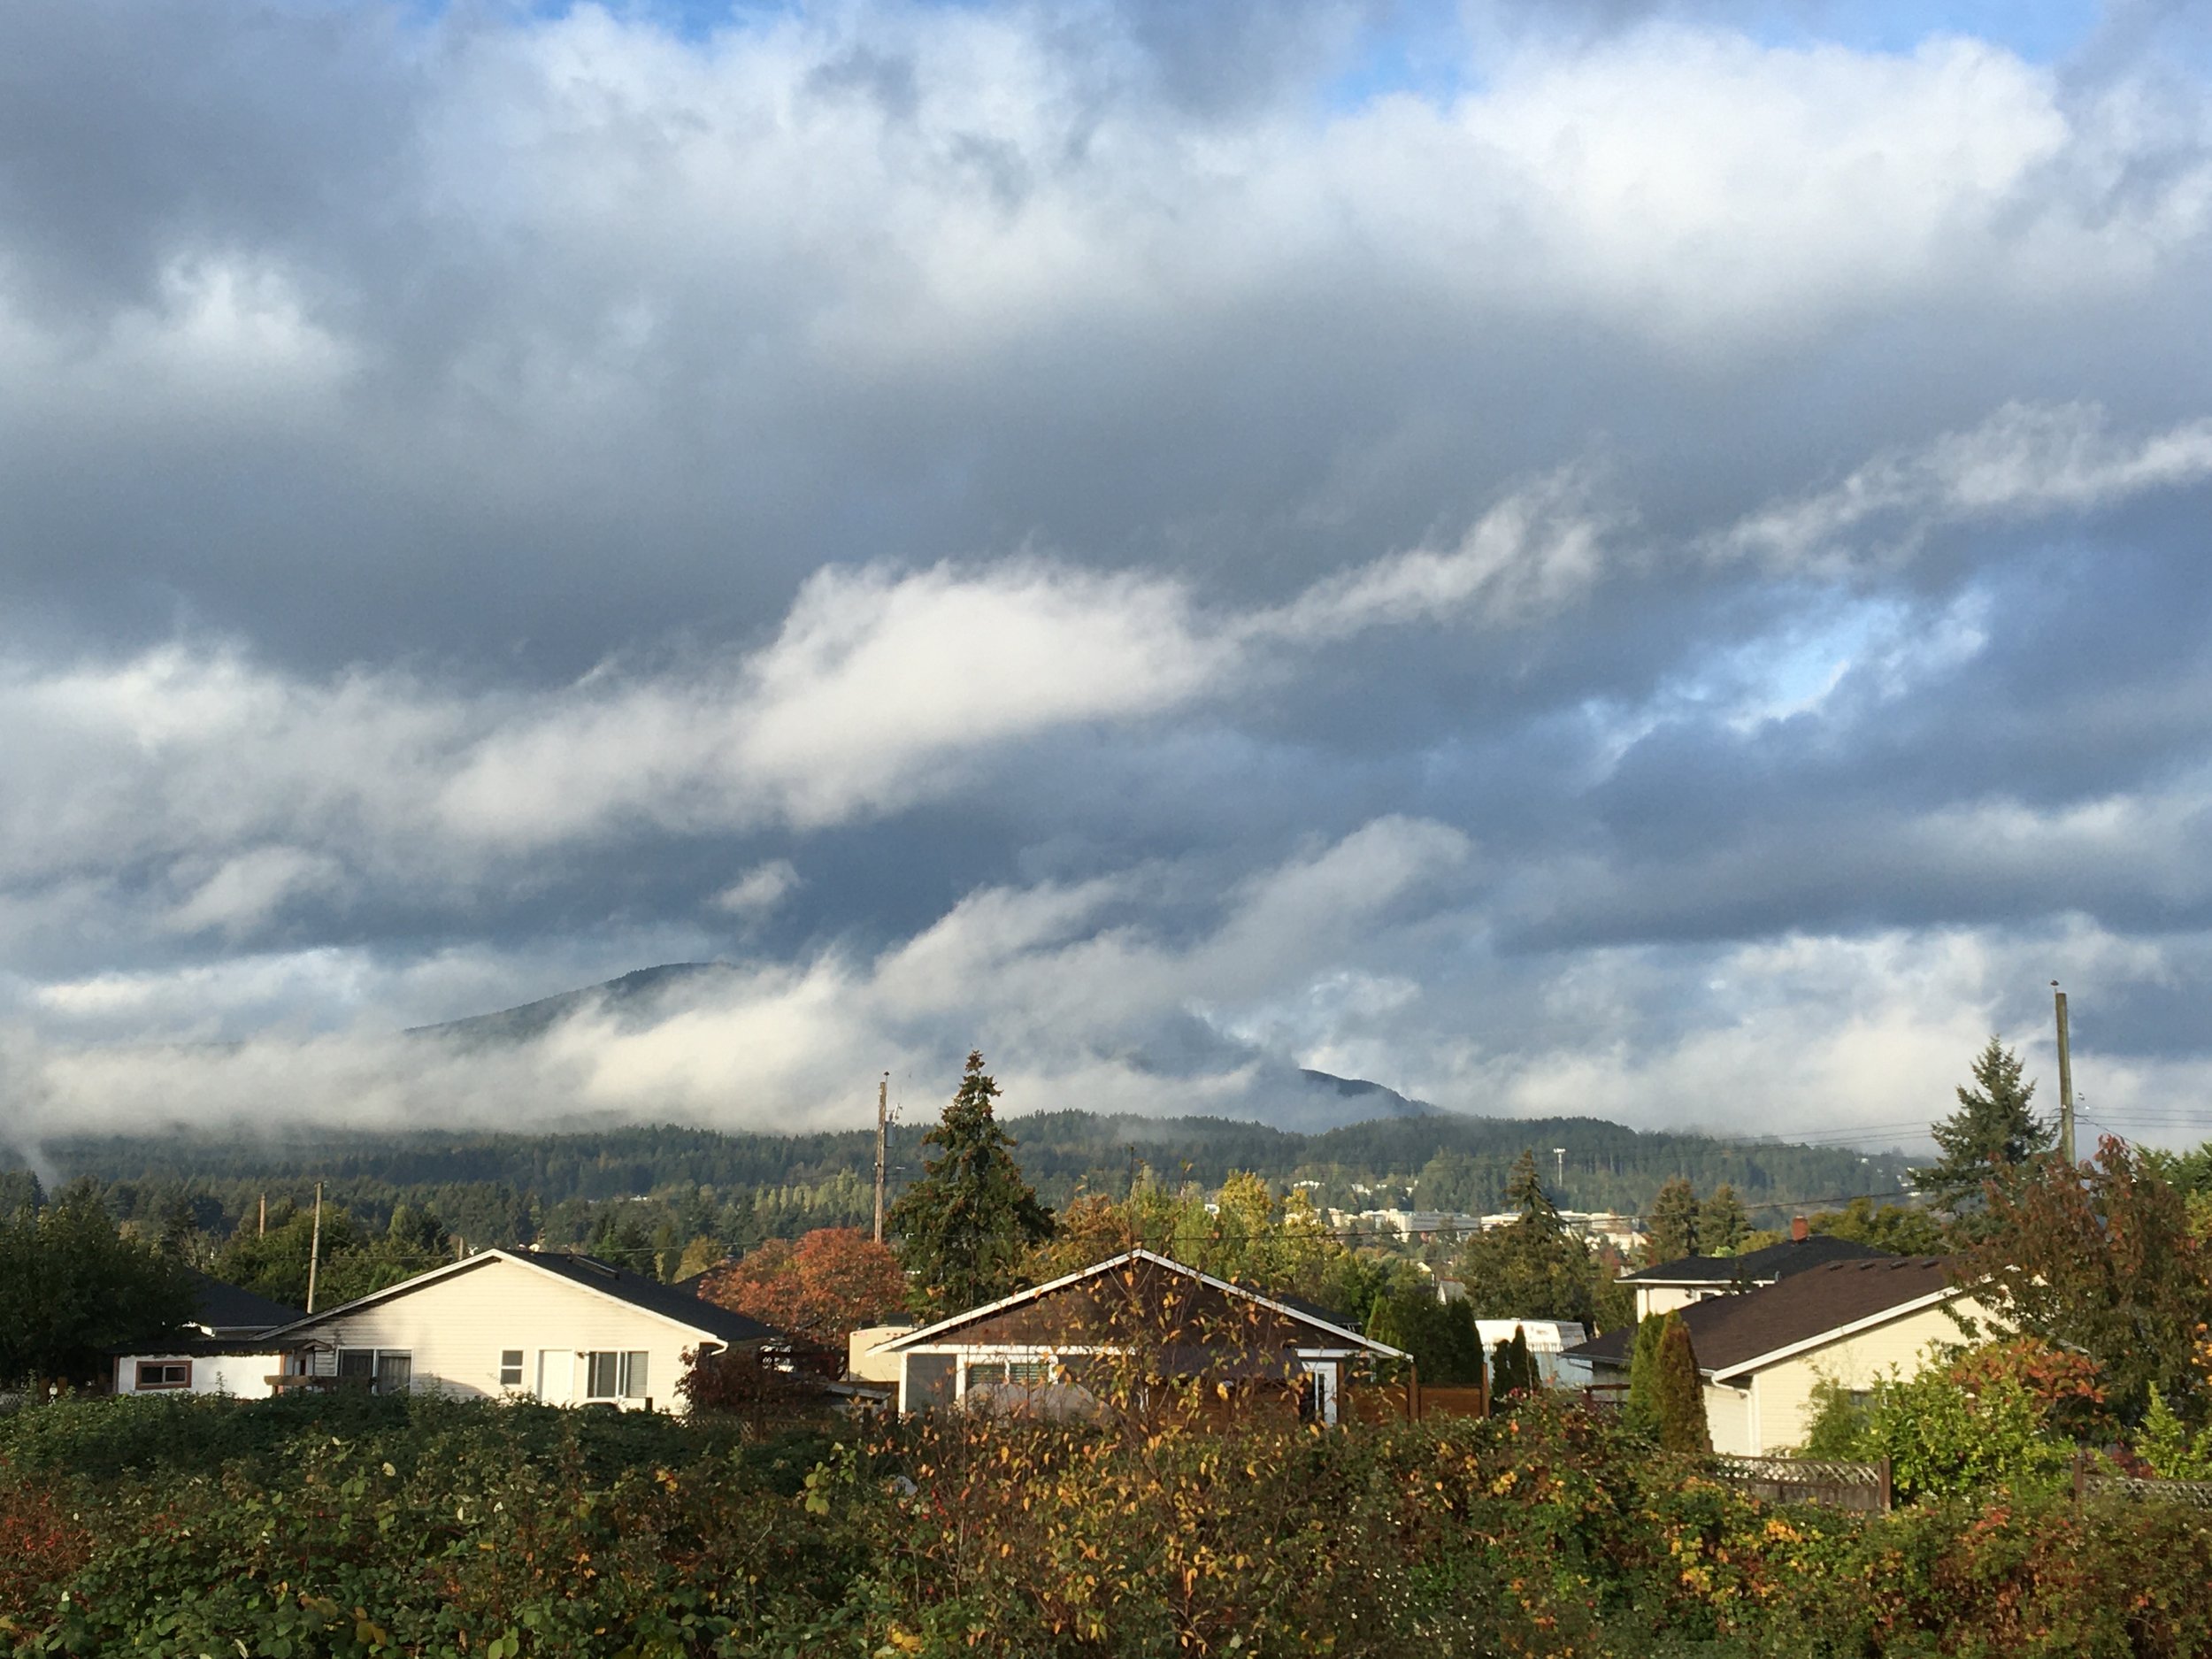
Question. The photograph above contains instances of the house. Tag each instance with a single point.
(225, 1348)
(567, 1329)
(1763, 1352)
(1677, 1284)
(1168, 1322)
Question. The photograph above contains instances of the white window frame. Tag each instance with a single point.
(522, 1359)
(628, 1384)
(139, 1385)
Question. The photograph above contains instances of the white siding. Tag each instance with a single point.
(243, 1376)
(1784, 1392)
(455, 1330)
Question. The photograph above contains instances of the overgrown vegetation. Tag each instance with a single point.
(415, 1526)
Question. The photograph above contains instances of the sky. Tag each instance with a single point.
(1636, 559)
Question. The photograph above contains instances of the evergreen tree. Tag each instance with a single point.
(1722, 1225)
(1532, 1267)
(966, 1228)
(1522, 1362)
(1673, 1222)
(1640, 1412)
(1679, 1394)
(1990, 1137)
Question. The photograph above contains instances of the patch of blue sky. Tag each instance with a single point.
(2039, 31)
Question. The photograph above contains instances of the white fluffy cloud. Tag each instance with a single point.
(1072, 530)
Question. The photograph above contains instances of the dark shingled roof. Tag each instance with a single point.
(226, 1309)
(1756, 1267)
(1727, 1331)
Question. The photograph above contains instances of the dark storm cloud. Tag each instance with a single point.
(1123, 533)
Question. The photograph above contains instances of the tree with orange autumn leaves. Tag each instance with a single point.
(828, 1284)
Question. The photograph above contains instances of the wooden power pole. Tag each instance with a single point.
(2065, 1080)
(315, 1248)
(883, 1119)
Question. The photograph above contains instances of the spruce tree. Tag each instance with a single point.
(1521, 1362)
(1992, 1136)
(1680, 1392)
(965, 1229)
(1722, 1224)
(1673, 1222)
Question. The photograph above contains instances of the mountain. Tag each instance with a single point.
(1296, 1098)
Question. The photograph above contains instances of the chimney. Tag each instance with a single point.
(1800, 1229)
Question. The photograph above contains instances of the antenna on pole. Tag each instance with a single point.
(883, 1119)
(2065, 1079)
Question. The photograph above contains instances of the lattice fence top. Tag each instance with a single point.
(2191, 1491)
(1801, 1470)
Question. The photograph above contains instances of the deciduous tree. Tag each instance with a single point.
(2101, 1258)
(831, 1283)
(72, 1286)
(1532, 1267)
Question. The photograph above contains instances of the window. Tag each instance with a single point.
(164, 1373)
(387, 1371)
(608, 1375)
(1023, 1373)
(511, 1368)
(987, 1372)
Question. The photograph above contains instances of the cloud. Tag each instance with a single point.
(1312, 533)
(759, 889)
(2025, 461)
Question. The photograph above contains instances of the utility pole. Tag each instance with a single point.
(2065, 1080)
(315, 1248)
(1559, 1156)
(883, 1120)
(263, 1230)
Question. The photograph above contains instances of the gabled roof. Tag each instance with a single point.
(648, 1295)
(1734, 1334)
(1758, 1267)
(1303, 1313)
(223, 1308)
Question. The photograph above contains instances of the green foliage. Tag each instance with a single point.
(1990, 1137)
(1673, 1233)
(1447, 1348)
(1532, 1267)
(1512, 1369)
(1944, 1440)
(2165, 1443)
(71, 1286)
(410, 1526)
(1722, 1225)
(1679, 1392)
(966, 1228)
(2101, 1258)
(1640, 1410)
(1901, 1228)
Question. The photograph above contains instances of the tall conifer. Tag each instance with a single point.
(966, 1228)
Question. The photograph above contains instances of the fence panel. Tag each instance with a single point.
(1862, 1486)
(2197, 1493)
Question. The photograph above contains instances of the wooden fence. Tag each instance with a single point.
(2088, 1484)
(1862, 1486)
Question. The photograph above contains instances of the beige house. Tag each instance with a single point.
(1763, 1352)
(566, 1329)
